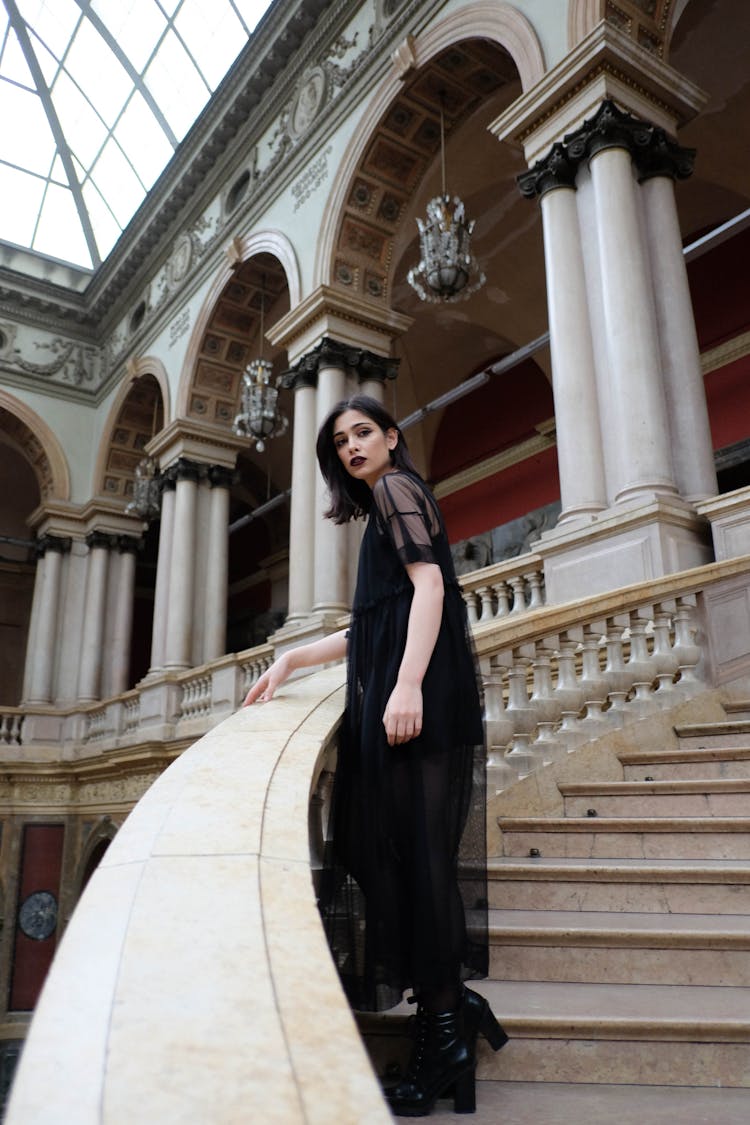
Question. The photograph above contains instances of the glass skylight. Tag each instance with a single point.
(95, 95)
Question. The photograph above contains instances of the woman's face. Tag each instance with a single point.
(363, 448)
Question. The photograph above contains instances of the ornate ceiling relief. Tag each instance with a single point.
(645, 21)
(232, 337)
(19, 434)
(140, 417)
(402, 147)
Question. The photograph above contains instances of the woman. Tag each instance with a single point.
(403, 894)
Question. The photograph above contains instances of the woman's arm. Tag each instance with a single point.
(403, 713)
(323, 651)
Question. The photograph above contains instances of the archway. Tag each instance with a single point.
(258, 292)
(34, 466)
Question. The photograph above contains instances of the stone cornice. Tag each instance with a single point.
(499, 461)
(343, 316)
(606, 64)
(196, 441)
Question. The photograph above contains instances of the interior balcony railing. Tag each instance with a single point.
(194, 977)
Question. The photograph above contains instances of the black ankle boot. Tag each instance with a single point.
(477, 1017)
(441, 1062)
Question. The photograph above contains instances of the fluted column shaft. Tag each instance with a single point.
(692, 447)
(579, 441)
(42, 641)
(331, 541)
(182, 569)
(217, 570)
(90, 671)
(163, 574)
(302, 516)
(117, 653)
(642, 437)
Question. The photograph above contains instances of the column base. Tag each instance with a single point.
(623, 545)
(729, 516)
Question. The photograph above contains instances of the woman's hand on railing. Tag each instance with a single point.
(265, 686)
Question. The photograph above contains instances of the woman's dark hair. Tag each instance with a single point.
(351, 498)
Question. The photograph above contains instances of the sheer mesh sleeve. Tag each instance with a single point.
(408, 517)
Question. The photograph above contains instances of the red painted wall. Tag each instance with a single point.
(41, 866)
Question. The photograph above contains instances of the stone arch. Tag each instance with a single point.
(502, 46)
(98, 840)
(39, 445)
(651, 30)
(239, 253)
(139, 411)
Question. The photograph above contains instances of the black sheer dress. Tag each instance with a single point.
(404, 891)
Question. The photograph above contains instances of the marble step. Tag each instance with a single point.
(628, 837)
(710, 798)
(737, 708)
(716, 762)
(731, 733)
(672, 886)
(565, 1103)
(590, 946)
(598, 1033)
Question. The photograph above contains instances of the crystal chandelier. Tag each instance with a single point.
(447, 270)
(146, 502)
(147, 483)
(260, 418)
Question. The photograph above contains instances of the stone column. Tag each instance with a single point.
(302, 515)
(633, 380)
(90, 670)
(215, 601)
(117, 652)
(660, 163)
(579, 441)
(163, 574)
(331, 555)
(182, 567)
(40, 663)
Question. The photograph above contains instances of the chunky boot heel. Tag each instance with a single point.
(478, 1017)
(491, 1030)
(464, 1094)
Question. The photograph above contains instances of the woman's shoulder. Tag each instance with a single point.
(398, 484)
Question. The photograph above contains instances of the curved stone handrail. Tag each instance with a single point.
(193, 983)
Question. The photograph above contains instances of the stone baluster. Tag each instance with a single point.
(593, 682)
(518, 585)
(663, 656)
(547, 747)
(641, 668)
(535, 580)
(470, 600)
(498, 725)
(521, 757)
(502, 596)
(486, 599)
(615, 671)
(568, 691)
(686, 651)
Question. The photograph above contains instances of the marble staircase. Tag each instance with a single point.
(620, 946)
